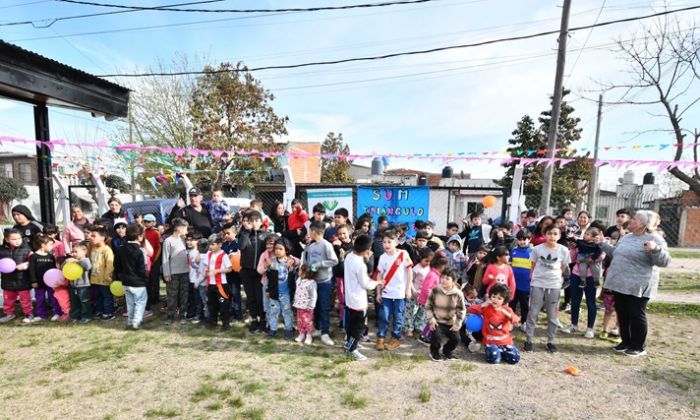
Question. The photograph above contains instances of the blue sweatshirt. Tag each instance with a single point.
(522, 267)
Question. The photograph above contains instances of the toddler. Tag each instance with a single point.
(305, 301)
(498, 320)
(280, 274)
(80, 308)
(588, 252)
(40, 262)
(470, 338)
(414, 315)
(16, 284)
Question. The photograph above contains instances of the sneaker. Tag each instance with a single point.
(300, 338)
(288, 334)
(64, 318)
(184, 321)
(225, 327)
(380, 344)
(474, 347)
(559, 324)
(106, 317)
(450, 356)
(424, 340)
(308, 340)
(326, 339)
(552, 348)
(435, 357)
(28, 319)
(620, 348)
(603, 335)
(615, 332)
(253, 327)
(316, 334)
(408, 334)
(136, 327)
(147, 314)
(523, 327)
(125, 314)
(528, 346)
(97, 315)
(570, 329)
(7, 318)
(357, 356)
(85, 320)
(393, 344)
(635, 353)
(168, 321)
(55, 317)
(589, 333)
(195, 321)
(37, 319)
(366, 339)
(273, 334)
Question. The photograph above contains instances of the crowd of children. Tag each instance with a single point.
(297, 267)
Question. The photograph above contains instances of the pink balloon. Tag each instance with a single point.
(7, 265)
(54, 278)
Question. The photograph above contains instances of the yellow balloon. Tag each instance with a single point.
(117, 288)
(72, 271)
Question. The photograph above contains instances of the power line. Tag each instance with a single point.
(409, 53)
(600, 12)
(27, 3)
(289, 9)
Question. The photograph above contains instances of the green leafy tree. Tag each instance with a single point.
(11, 189)
(231, 111)
(115, 183)
(335, 169)
(530, 141)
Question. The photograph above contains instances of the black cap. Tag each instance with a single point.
(195, 191)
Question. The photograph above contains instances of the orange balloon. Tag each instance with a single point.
(488, 201)
(236, 261)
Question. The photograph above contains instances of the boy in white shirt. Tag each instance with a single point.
(395, 282)
(219, 291)
(356, 282)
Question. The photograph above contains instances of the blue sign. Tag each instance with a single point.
(398, 204)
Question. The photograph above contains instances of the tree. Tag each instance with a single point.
(335, 169)
(664, 67)
(11, 189)
(115, 183)
(231, 111)
(527, 141)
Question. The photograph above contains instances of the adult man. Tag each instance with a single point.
(195, 213)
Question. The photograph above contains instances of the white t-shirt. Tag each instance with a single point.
(211, 260)
(548, 262)
(357, 282)
(196, 269)
(396, 289)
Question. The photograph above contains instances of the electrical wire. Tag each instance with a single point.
(408, 53)
(600, 12)
(288, 9)
(10, 6)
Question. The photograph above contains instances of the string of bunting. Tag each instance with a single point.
(488, 156)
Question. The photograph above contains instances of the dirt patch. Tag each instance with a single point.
(100, 371)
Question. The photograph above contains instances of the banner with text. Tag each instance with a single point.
(332, 199)
(398, 204)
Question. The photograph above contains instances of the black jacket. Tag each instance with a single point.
(16, 280)
(251, 244)
(130, 265)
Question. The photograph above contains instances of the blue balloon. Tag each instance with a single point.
(474, 322)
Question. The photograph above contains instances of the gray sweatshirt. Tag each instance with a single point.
(175, 257)
(633, 270)
(321, 255)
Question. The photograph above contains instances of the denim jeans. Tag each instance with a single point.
(577, 295)
(495, 353)
(201, 305)
(391, 308)
(322, 312)
(104, 301)
(284, 306)
(136, 298)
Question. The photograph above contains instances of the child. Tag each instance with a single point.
(357, 282)
(251, 242)
(342, 246)
(476, 236)
(446, 311)
(131, 267)
(549, 261)
(102, 262)
(153, 239)
(119, 238)
(470, 338)
(498, 320)
(80, 308)
(40, 262)
(476, 267)
(59, 249)
(414, 315)
(395, 284)
(456, 256)
(319, 255)
(498, 271)
(280, 275)
(230, 246)
(263, 265)
(219, 210)
(522, 270)
(437, 265)
(305, 302)
(200, 247)
(176, 271)
(16, 284)
(340, 218)
(219, 291)
(588, 253)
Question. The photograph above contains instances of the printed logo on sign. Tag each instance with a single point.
(330, 205)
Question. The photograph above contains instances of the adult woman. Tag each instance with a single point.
(633, 277)
(538, 235)
(279, 217)
(74, 231)
(583, 221)
(115, 212)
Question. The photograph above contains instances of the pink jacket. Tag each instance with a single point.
(265, 260)
(431, 280)
(72, 234)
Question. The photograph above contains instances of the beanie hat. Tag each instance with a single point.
(23, 210)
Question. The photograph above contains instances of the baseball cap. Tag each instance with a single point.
(149, 218)
(195, 191)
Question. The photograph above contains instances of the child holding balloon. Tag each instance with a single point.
(40, 262)
(14, 256)
(498, 320)
(79, 288)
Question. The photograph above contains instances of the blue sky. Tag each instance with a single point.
(466, 100)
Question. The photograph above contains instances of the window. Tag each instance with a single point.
(474, 208)
(25, 172)
(6, 170)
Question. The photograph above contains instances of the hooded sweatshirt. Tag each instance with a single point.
(31, 228)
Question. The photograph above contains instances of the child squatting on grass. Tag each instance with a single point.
(446, 312)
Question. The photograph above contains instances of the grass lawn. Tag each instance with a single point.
(685, 252)
(679, 282)
(102, 371)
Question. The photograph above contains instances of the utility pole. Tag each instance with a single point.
(131, 157)
(556, 108)
(593, 186)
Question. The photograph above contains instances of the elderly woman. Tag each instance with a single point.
(633, 277)
(74, 231)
